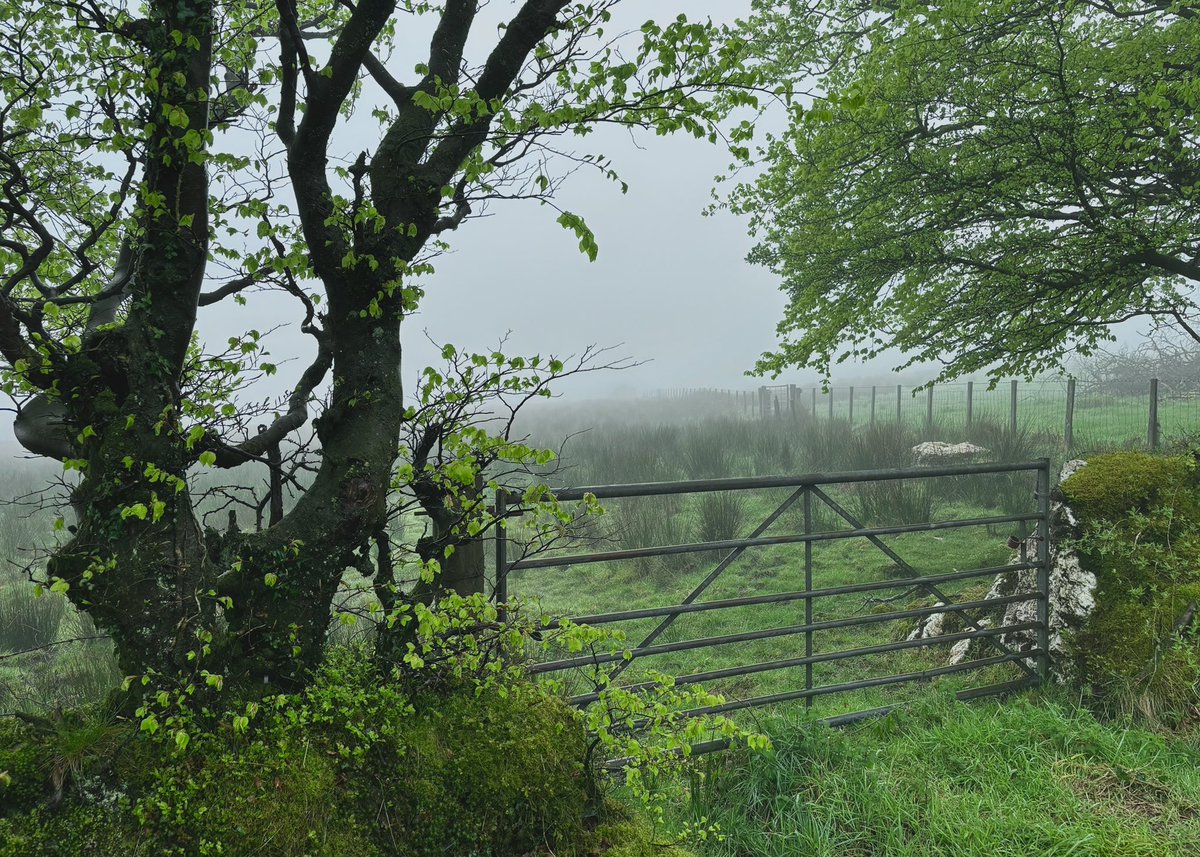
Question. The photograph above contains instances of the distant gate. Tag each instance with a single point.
(809, 491)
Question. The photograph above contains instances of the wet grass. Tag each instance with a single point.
(1030, 775)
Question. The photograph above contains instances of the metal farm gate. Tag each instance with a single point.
(813, 493)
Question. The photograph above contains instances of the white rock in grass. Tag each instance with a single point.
(958, 652)
(933, 625)
(940, 452)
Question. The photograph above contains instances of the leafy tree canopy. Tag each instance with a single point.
(988, 185)
(160, 157)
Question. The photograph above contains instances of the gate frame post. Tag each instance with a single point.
(1043, 570)
(501, 548)
(808, 608)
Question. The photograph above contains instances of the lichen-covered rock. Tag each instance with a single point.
(940, 452)
(1072, 597)
(1072, 600)
(933, 625)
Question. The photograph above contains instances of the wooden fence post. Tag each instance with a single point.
(830, 394)
(1069, 425)
(852, 407)
(1152, 426)
(899, 398)
(1012, 408)
(970, 402)
(872, 405)
(792, 399)
(814, 404)
(929, 408)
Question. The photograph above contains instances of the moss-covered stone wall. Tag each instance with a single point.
(1139, 533)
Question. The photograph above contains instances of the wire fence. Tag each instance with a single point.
(1079, 413)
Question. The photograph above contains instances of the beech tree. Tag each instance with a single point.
(158, 158)
(990, 185)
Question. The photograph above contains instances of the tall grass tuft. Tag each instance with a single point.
(881, 445)
(706, 450)
(897, 501)
(1009, 492)
(27, 622)
(773, 445)
(720, 515)
(628, 455)
(650, 522)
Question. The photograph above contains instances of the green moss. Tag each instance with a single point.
(350, 767)
(496, 774)
(630, 838)
(24, 761)
(1114, 484)
(1140, 518)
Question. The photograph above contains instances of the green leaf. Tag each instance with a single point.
(587, 239)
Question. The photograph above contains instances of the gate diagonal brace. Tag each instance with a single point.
(896, 558)
(714, 574)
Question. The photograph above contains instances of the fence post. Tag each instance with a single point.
(762, 403)
(852, 407)
(814, 404)
(1069, 426)
(501, 547)
(808, 609)
(970, 402)
(1152, 426)
(1043, 571)
(872, 405)
(1012, 408)
(792, 399)
(899, 396)
(830, 394)
(929, 409)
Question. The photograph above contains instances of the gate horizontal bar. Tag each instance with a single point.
(1004, 687)
(861, 684)
(693, 486)
(798, 595)
(704, 642)
(823, 657)
(762, 541)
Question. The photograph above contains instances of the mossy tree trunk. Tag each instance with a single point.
(138, 562)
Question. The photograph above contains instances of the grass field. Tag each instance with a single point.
(1032, 775)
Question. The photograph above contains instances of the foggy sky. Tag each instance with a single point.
(670, 285)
